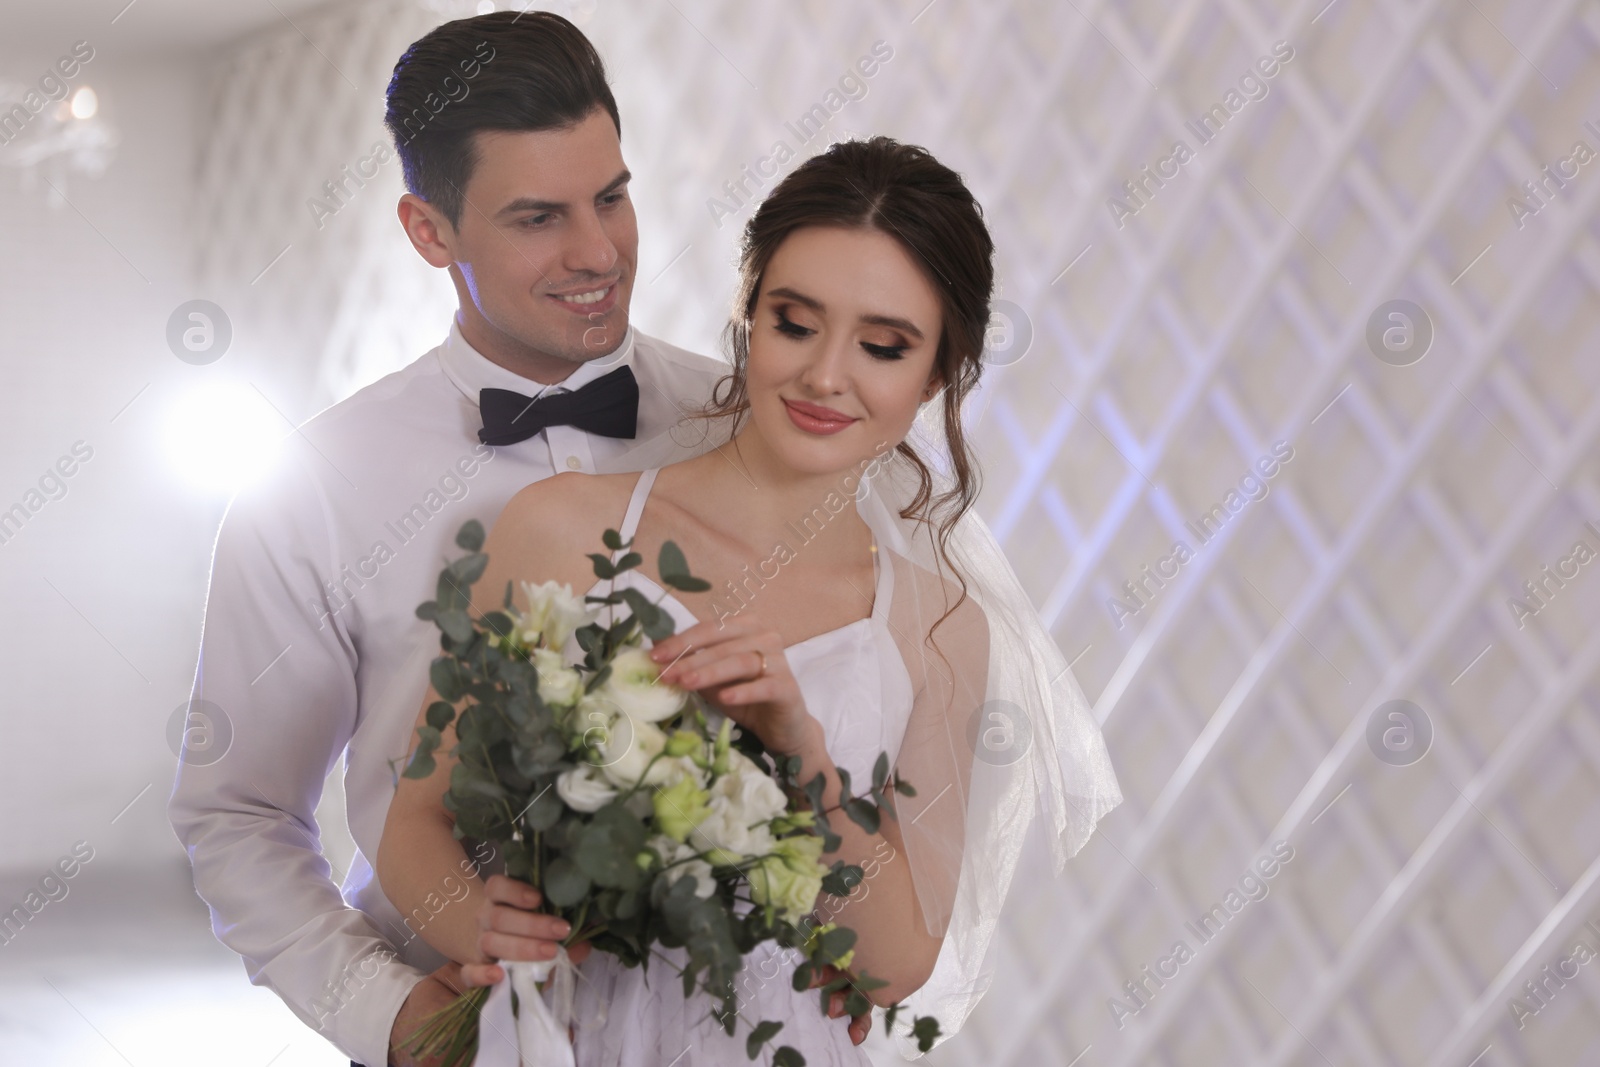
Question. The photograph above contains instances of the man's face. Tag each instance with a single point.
(547, 241)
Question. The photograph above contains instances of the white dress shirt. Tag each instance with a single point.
(311, 648)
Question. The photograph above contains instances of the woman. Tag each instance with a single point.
(852, 611)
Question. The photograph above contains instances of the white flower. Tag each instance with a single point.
(582, 789)
(728, 834)
(743, 801)
(559, 684)
(704, 884)
(751, 791)
(627, 747)
(671, 852)
(633, 688)
(553, 613)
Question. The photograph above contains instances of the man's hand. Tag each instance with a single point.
(859, 1024)
(511, 930)
(426, 997)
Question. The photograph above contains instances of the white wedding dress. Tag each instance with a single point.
(856, 684)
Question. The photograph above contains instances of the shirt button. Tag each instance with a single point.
(574, 463)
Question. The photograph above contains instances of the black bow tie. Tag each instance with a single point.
(608, 406)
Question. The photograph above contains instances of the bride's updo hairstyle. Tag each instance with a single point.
(899, 190)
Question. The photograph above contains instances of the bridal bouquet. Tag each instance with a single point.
(643, 816)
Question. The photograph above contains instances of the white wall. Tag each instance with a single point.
(105, 584)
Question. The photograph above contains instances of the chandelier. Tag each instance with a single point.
(65, 138)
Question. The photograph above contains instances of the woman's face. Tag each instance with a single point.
(842, 345)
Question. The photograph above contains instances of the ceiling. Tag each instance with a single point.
(143, 27)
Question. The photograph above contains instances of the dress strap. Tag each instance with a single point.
(630, 520)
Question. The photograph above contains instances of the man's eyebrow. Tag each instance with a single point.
(874, 320)
(616, 183)
(527, 203)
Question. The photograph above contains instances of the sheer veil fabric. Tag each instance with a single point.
(999, 735)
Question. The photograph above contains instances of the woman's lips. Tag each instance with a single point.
(803, 417)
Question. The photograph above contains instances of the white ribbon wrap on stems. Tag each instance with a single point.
(537, 1035)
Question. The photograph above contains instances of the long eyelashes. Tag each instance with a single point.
(793, 329)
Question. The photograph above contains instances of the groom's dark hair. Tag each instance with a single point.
(501, 71)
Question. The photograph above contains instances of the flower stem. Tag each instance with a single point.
(451, 1033)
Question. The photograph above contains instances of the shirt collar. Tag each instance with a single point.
(472, 371)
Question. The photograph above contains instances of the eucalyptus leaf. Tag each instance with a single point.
(564, 884)
(674, 570)
(543, 812)
(762, 1033)
(787, 1056)
(608, 845)
(422, 765)
(445, 674)
(863, 813)
(836, 943)
(498, 623)
(602, 566)
(470, 536)
(842, 878)
(613, 539)
(814, 790)
(643, 610)
(485, 788)
(867, 982)
(469, 569)
(660, 626)
(449, 593)
(457, 624)
(671, 562)
(440, 715)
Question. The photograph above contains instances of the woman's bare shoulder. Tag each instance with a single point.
(548, 529)
(569, 510)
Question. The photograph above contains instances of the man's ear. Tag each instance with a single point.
(430, 232)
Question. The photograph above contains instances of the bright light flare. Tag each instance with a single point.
(220, 437)
(85, 103)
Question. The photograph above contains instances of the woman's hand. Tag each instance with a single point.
(723, 662)
(512, 930)
(859, 1024)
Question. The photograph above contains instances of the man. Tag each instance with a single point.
(510, 143)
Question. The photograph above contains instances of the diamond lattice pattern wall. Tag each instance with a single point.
(1336, 604)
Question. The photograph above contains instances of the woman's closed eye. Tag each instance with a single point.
(790, 328)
